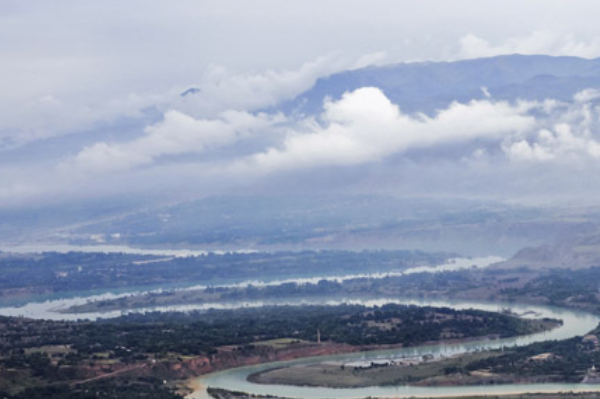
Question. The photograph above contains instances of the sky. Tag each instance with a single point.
(91, 105)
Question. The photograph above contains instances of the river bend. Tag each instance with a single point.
(574, 324)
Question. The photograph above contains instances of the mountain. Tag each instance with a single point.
(578, 250)
(427, 86)
(336, 222)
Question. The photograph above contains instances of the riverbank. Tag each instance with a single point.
(213, 393)
(416, 370)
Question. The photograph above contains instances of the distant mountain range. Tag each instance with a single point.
(427, 86)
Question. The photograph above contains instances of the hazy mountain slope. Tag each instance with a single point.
(348, 222)
(580, 249)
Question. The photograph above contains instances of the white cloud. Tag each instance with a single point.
(212, 116)
(486, 92)
(177, 134)
(561, 143)
(50, 116)
(568, 133)
(372, 59)
(221, 90)
(364, 126)
(522, 150)
(539, 42)
(494, 139)
(587, 95)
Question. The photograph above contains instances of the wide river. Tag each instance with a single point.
(574, 324)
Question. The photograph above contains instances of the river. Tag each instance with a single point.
(118, 249)
(574, 324)
(51, 307)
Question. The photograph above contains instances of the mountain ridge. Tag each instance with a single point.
(429, 86)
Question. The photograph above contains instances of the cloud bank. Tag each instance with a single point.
(176, 134)
(482, 142)
(365, 126)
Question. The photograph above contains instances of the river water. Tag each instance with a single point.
(574, 324)
(119, 249)
(52, 307)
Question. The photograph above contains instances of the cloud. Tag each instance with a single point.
(176, 134)
(486, 92)
(569, 134)
(49, 116)
(149, 48)
(539, 42)
(361, 137)
(587, 95)
(365, 126)
(220, 90)
(522, 150)
(559, 144)
(372, 59)
(216, 114)
(363, 133)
